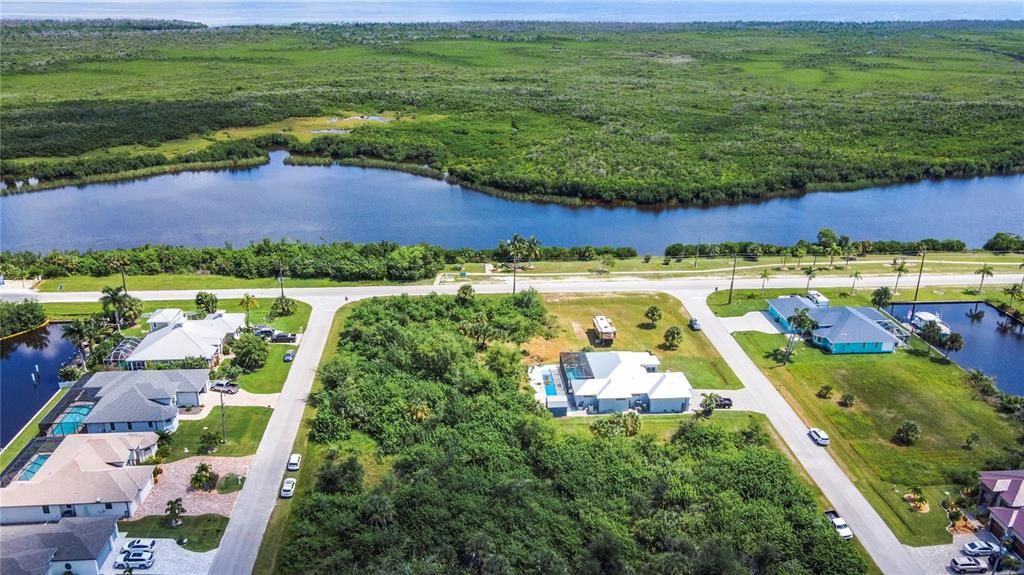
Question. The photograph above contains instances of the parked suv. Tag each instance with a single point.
(819, 436)
(138, 545)
(263, 331)
(135, 560)
(724, 403)
(980, 549)
(968, 565)
(225, 386)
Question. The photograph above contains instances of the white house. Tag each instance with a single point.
(607, 382)
(75, 545)
(83, 476)
(173, 337)
(179, 387)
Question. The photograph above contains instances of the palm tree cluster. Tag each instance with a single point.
(519, 248)
(800, 323)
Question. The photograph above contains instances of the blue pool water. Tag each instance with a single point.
(33, 466)
(72, 420)
(573, 373)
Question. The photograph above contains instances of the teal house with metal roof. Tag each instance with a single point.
(842, 330)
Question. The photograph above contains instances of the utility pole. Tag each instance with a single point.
(696, 254)
(124, 282)
(732, 280)
(920, 272)
(223, 426)
(280, 276)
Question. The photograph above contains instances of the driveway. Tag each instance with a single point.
(935, 558)
(174, 483)
(168, 559)
(751, 321)
(742, 400)
(211, 401)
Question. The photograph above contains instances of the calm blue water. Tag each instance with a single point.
(361, 204)
(997, 352)
(20, 398)
(219, 13)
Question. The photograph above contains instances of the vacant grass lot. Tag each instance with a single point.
(245, 426)
(745, 301)
(695, 356)
(203, 531)
(889, 389)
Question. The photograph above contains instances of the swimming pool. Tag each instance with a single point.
(72, 420)
(574, 373)
(33, 466)
(549, 384)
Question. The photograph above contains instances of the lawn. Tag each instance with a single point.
(292, 323)
(29, 432)
(270, 378)
(695, 356)
(245, 426)
(188, 281)
(752, 300)
(664, 426)
(203, 531)
(890, 389)
(230, 483)
(313, 455)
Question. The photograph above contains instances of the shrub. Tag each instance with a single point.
(327, 427)
(653, 315)
(847, 400)
(70, 373)
(208, 441)
(824, 391)
(19, 317)
(282, 307)
(907, 433)
(672, 337)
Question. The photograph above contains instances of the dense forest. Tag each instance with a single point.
(346, 261)
(483, 480)
(682, 113)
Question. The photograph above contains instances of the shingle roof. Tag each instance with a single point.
(1009, 517)
(851, 325)
(85, 468)
(1009, 484)
(125, 403)
(176, 379)
(28, 549)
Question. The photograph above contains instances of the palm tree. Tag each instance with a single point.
(531, 249)
(900, 269)
(248, 302)
(202, 476)
(174, 511)
(881, 297)
(799, 324)
(833, 251)
(77, 332)
(1015, 291)
(953, 342)
(856, 276)
(114, 297)
(765, 275)
(811, 274)
(379, 510)
(799, 254)
(985, 271)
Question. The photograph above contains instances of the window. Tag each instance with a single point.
(112, 426)
(108, 505)
(129, 426)
(151, 425)
(46, 509)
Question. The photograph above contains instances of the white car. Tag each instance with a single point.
(819, 436)
(288, 487)
(294, 462)
(135, 560)
(133, 545)
(980, 549)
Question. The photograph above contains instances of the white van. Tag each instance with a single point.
(294, 461)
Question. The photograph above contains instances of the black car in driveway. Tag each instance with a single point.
(282, 337)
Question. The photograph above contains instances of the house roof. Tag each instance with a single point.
(175, 380)
(28, 549)
(788, 305)
(85, 468)
(1009, 517)
(125, 403)
(222, 321)
(1009, 484)
(166, 315)
(851, 325)
(178, 341)
(623, 374)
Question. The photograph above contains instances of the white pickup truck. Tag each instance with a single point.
(839, 524)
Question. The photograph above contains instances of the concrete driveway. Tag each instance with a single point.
(751, 321)
(742, 400)
(168, 559)
(935, 558)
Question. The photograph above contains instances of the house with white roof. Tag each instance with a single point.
(173, 337)
(82, 475)
(76, 545)
(614, 381)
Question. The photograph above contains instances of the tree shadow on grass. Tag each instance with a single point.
(647, 325)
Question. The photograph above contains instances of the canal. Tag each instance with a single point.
(41, 352)
(992, 342)
(362, 205)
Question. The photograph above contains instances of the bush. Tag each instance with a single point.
(282, 307)
(208, 441)
(824, 392)
(327, 427)
(847, 400)
(672, 337)
(19, 317)
(251, 352)
(907, 433)
(70, 373)
(206, 302)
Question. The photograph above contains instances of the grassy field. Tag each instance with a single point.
(745, 301)
(29, 432)
(188, 282)
(683, 113)
(293, 323)
(695, 356)
(270, 378)
(245, 426)
(889, 389)
(203, 531)
(230, 483)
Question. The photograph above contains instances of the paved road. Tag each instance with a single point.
(890, 555)
(241, 541)
(242, 538)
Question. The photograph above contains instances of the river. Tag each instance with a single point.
(231, 12)
(992, 343)
(364, 204)
(42, 352)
